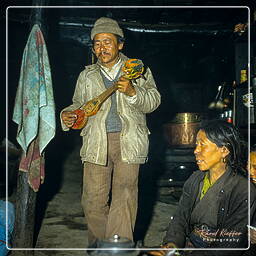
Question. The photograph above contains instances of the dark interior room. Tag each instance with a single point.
(202, 55)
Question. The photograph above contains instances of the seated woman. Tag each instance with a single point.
(213, 208)
(252, 170)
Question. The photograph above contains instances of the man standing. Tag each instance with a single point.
(115, 140)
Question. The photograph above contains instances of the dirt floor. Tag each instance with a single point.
(62, 229)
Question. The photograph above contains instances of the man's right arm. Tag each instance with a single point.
(67, 117)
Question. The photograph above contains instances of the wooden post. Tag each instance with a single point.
(24, 215)
(25, 196)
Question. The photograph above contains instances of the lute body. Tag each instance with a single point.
(91, 107)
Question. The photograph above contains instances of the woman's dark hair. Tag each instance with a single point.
(225, 134)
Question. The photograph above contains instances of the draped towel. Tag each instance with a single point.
(34, 164)
(34, 109)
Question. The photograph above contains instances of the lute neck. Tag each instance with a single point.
(107, 93)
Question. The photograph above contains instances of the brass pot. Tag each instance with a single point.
(182, 130)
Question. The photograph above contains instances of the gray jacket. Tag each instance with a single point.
(134, 134)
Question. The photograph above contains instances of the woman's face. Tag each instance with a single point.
(208, 155)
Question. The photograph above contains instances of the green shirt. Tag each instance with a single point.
(206, 185)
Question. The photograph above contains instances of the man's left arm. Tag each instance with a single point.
(147, 97)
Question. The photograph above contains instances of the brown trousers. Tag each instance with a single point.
(105, 218)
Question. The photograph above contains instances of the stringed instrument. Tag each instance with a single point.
(133, 68)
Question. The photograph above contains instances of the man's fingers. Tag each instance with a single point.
(120, 87)
(69, 117)
(73, 116)
(68, 114)
(123, 79)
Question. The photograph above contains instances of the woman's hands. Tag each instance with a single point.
(163, 252)
(253, 235)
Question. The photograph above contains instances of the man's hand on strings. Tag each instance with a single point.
(125, 86)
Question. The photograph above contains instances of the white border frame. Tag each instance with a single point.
(122, 7)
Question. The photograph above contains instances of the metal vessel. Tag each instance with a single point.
(182, 129)
(115, 245)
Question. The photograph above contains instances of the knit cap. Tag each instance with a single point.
(106, 25)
